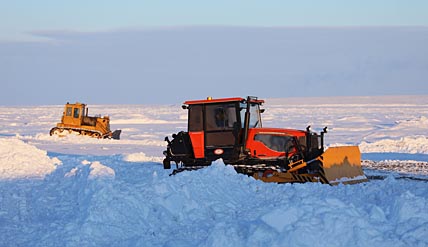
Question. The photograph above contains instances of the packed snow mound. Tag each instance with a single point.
(215, 206)
(96, 170)
(411, 144)
(21, 160)
(99, 170)
(141, 157)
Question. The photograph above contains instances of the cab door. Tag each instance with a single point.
(221, 121)
(73, 115)
(214, 129)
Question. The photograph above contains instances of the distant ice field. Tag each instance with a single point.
(394, 125)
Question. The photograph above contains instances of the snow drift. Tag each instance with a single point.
(141, 205)
(410, 144)
(141, 157)
(21, 160)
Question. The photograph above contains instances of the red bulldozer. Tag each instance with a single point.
(231, 129)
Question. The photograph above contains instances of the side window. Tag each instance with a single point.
(277, 143)
(195, 118)
(76, 113)
(68, 111)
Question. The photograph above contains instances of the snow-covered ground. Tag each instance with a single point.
(78, 191)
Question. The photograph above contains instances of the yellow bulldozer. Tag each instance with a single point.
(75, 119)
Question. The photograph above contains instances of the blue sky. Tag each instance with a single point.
(18, 18)
(139, 52)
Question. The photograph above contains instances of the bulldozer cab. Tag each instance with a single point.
(230, 127)
(73, 114)
(216, 127)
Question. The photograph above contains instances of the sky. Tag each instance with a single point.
(19, 18)
(133, 52)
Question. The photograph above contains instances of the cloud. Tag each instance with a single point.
(171, 64)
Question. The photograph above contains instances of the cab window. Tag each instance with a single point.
(68, 111)
(255, 118)
(196, 118)
(76, 113)
(221, 117)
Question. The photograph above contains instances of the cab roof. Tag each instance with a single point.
(75, 104)
(210, 100)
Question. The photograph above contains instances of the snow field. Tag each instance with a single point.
(76, 191)
(105, 200)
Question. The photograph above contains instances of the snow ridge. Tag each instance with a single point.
(408, 144)
(20, 160)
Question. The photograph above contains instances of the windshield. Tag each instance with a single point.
(255, 119)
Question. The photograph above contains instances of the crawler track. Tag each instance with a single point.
(79, 131)
(245, 169)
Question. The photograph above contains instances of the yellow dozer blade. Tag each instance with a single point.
(342, 165)
(336, 165)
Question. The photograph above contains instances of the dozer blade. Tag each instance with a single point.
(342, 165)
(116, 134)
